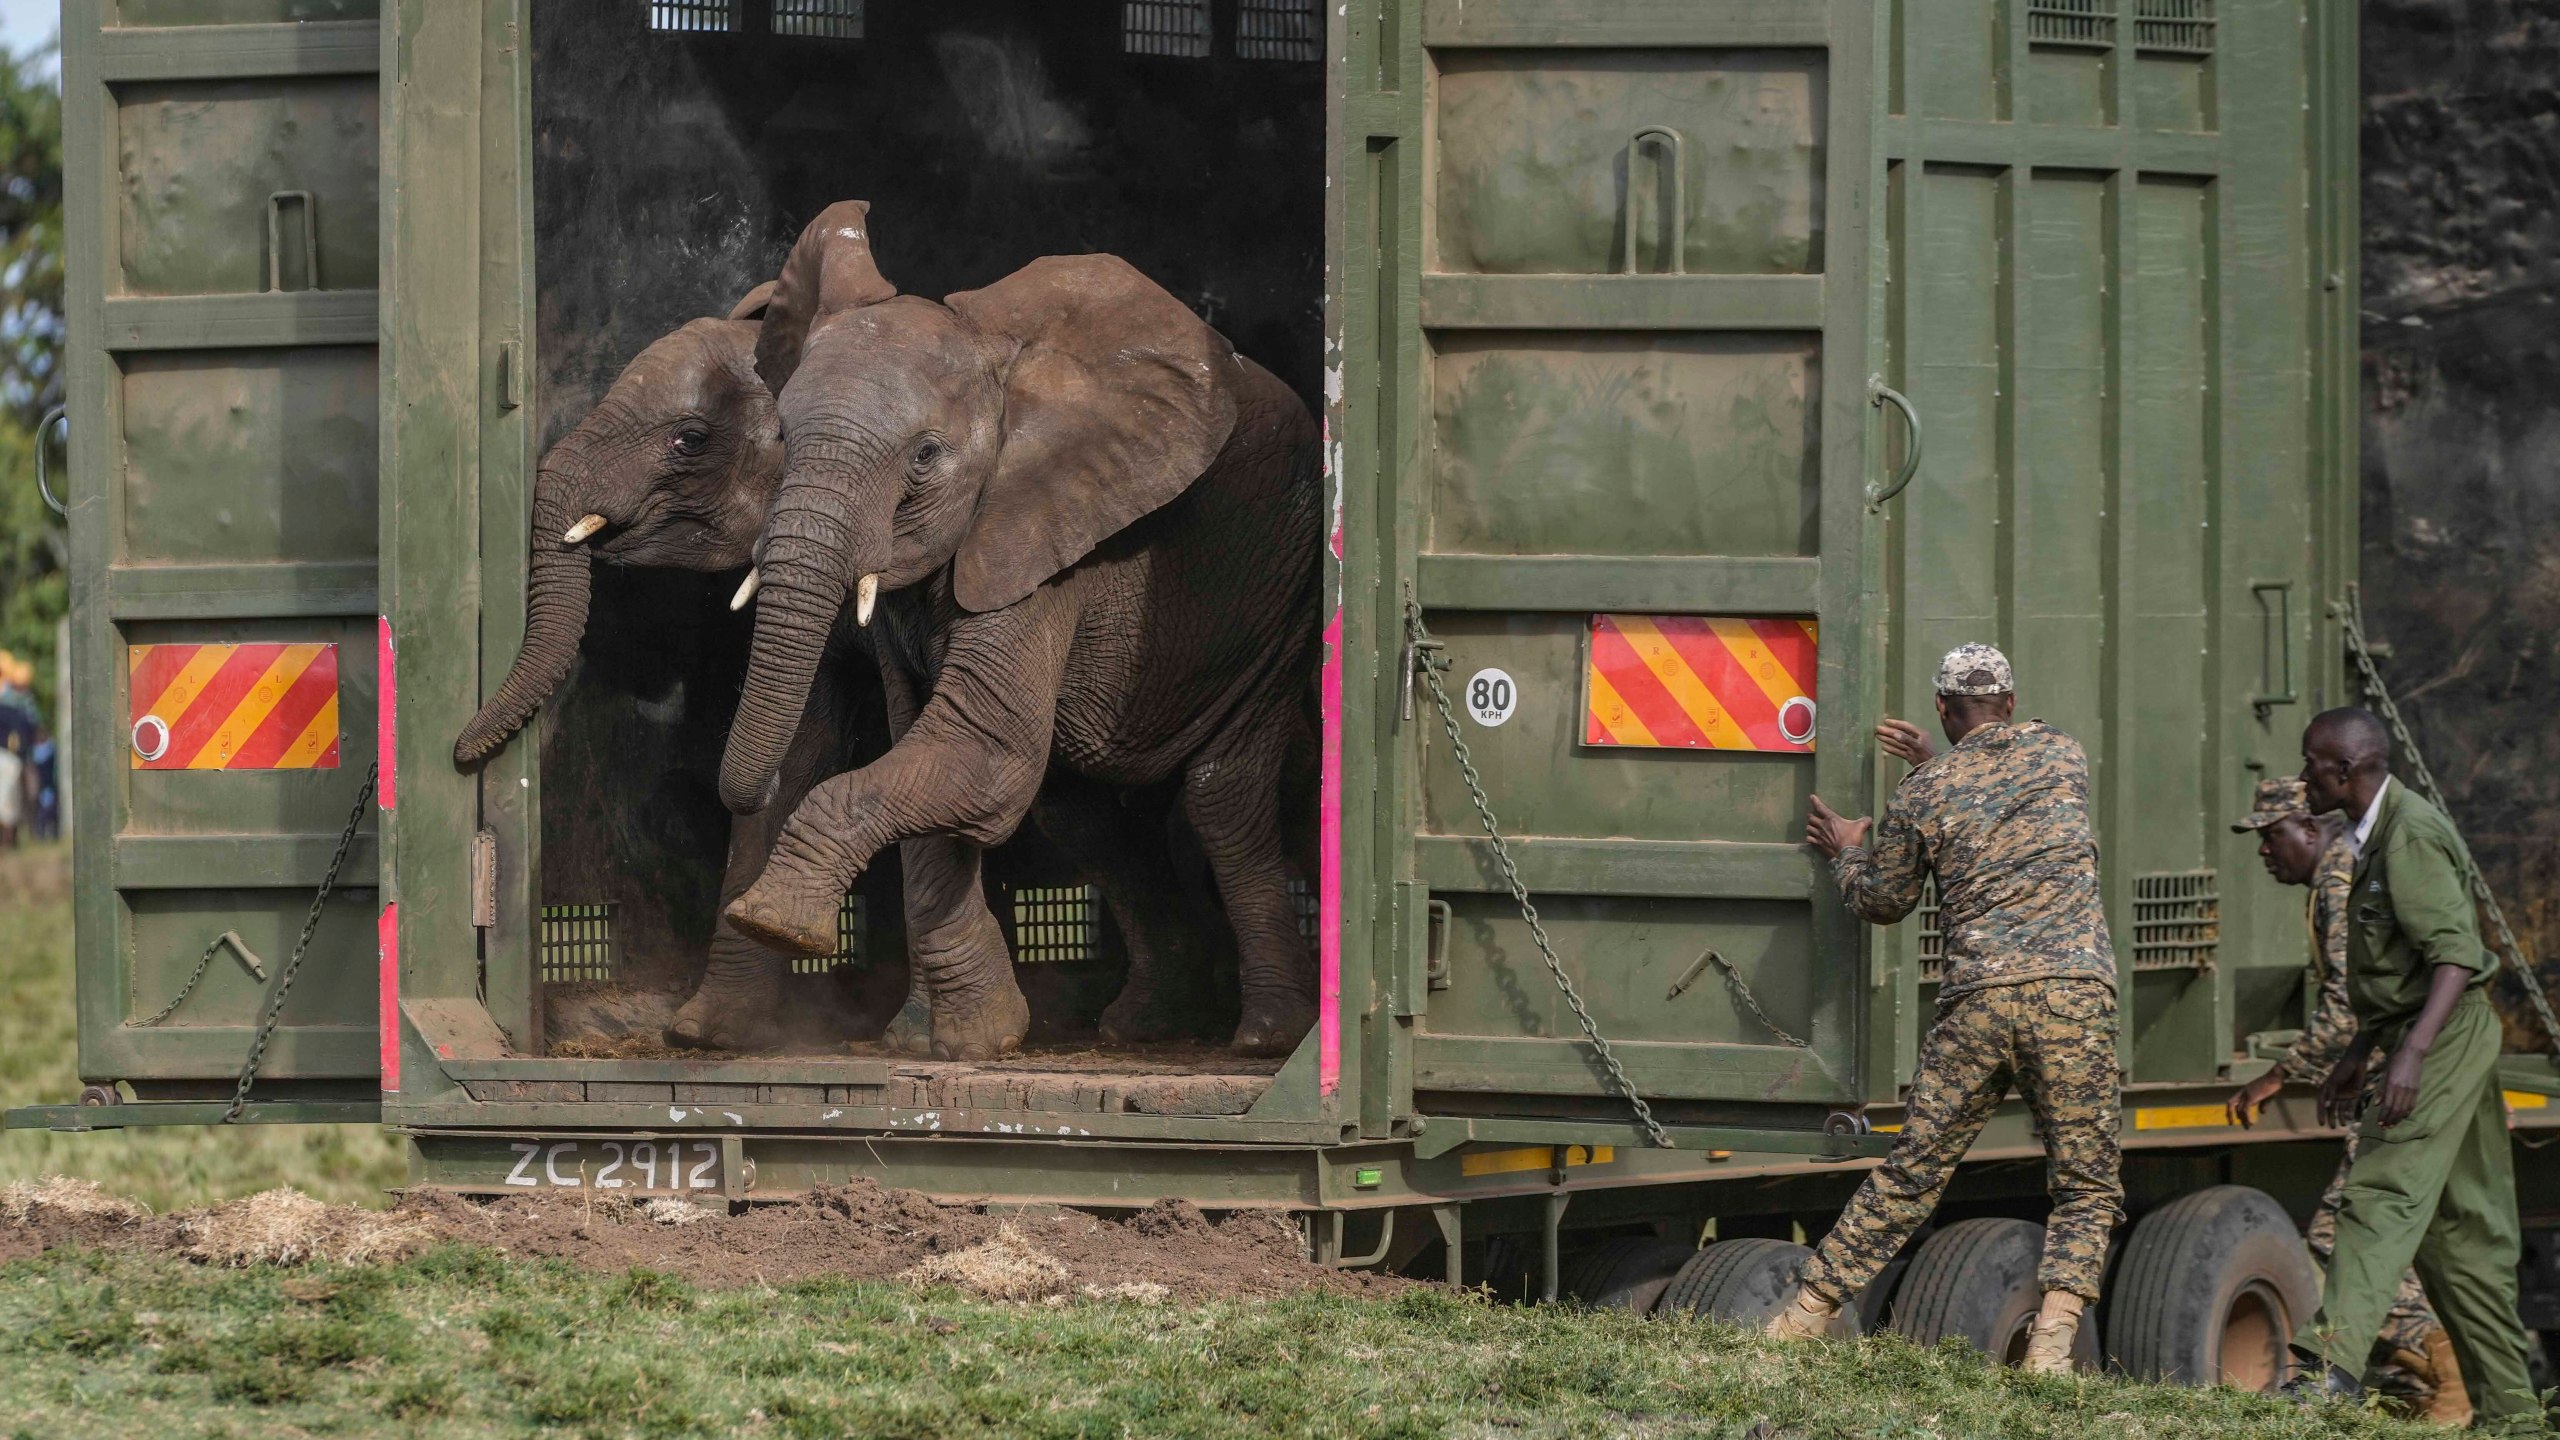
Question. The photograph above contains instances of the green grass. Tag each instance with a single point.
(461, 1342)
(179, 1165)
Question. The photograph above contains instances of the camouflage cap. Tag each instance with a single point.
(2275, 800)
(1965, 660)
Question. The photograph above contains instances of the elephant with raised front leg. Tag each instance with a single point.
(1090, 532)
(675, 468)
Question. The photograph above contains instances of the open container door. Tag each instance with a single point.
(1623, 454)
(220, 209)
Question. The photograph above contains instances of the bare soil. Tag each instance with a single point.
(858, 1231)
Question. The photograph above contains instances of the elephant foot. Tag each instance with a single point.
(793, 924)
(1143, 1016)
(911, 1029)
(989, 1028)
(1274, 1024)
(728, 1014)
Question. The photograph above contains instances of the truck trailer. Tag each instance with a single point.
(1692, 373)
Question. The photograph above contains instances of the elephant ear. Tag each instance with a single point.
(829, 270)
(751, 306)
(1117, 398)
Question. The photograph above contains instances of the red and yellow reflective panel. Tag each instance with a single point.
(1699, 683)
(234, 707)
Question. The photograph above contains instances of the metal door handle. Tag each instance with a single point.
(1679, 166)
(310, 238)
(44, 484)
(2278, 691)
(1878, 393)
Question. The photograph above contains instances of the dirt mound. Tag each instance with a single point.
(859, 1230)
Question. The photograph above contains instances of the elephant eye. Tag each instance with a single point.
(690, 440)
(927, 453)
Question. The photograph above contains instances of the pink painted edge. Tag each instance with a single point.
(1329, 872)
(388, 944)
(385, 720)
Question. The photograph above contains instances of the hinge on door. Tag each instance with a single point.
(484, 879)
(510, 383)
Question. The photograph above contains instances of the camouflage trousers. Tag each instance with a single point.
(2410, 1320)
(2056, 1039)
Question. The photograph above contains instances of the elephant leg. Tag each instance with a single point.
(1231, 794)
(736, 1005)
(957, 953)
(969, 768)
(911, 1029)
(1117, 840)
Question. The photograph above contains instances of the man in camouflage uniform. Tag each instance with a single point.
(2413, 1355)
(2028, 994)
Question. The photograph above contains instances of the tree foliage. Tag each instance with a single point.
(33, 588)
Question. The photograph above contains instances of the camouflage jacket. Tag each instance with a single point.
(2333, 1020)
(2002, 819)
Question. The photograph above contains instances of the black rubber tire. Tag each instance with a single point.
(1975, 1281)
(1746, 1282)
(1624, 1272)
(2219, 1269)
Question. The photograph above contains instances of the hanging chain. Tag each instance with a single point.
(2512, 950)
(204, 962)
(1750, 1004)
(301, 947)
(1428, 665)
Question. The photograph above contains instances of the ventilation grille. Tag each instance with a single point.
(2086, 24)
(1302, 899)
(1165, 27)
(1279, 30)
(2173, 27)
(848, 951)
(818, 19)
(694, 17)
(577, 944)
(1933, 941)
(1056, 923)
(2177, 920)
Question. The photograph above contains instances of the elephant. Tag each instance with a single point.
(1090, 532)
(676, 468)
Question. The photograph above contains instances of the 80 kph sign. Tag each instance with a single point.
(1491, 697)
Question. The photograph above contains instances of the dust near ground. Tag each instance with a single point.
(858, 1230)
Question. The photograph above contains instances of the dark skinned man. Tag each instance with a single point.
(2413, 1356)
(2433, 1180)
(2028, 995)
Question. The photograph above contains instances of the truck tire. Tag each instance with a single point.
(1975, 1281)
(2210, 1290)
(1746, 1282)
(1624, 1272)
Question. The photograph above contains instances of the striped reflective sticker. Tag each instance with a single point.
(234, 707)
(1700, 683)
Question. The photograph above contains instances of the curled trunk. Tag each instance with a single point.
(796, 605)
(557, 586)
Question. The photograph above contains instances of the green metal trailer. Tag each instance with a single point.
(1693, 372)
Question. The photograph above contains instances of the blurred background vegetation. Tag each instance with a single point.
(33, 592)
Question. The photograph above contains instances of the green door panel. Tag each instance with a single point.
(222, 167)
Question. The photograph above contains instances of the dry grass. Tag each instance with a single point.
(1007, 1267)
(30, 1202)
(286, 1227)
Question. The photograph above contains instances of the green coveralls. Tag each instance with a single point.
(2438, 1188)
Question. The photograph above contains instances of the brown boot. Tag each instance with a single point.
(2449, 1403)
(1807, 1317)
(2052, 1334)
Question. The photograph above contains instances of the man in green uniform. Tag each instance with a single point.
(2433, 1180)
(2413, 1356)
(2028, 994)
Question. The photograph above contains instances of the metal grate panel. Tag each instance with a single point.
(2173, 27)
(1056, 923)
(1933, 941)
(848, 951)
(2084, 24)
(1302, 899)
(2177, 920)
(1165, 27)
(818, 19)
(1279, 30)
(577, 944)
(694, 17)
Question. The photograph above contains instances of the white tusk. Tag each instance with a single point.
(586, 526)
(747, 588)
(865, 595)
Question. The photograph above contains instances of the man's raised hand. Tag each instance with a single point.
(1825, 830)
(1904, 739)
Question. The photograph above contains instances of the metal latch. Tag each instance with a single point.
(1435, 946)
(484, 878)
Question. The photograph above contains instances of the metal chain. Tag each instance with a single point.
(2517, 958)
(1420, 646)
(1750, 1003)
(301, 947)
(204, 962)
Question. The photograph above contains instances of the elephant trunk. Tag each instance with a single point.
(803, 587)
(558, 583)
